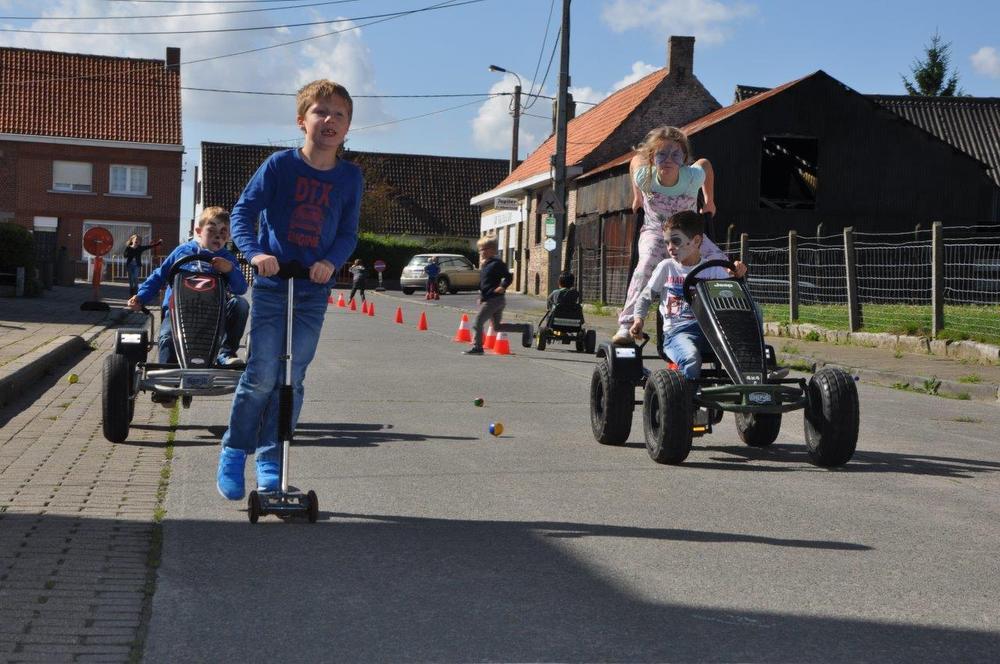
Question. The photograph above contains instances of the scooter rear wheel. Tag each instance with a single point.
(313, 512)
(253, 507)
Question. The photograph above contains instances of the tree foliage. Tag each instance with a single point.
(931, 77)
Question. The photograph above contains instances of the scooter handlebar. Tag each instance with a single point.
(290, 270)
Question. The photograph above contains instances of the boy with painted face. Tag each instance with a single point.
(684, 341)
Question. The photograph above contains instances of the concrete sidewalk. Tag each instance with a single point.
(37, 333)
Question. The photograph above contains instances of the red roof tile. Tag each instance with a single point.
(46, 93)
(587, 131)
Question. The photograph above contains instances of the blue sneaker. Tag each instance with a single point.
(268, 475)
(229, 480)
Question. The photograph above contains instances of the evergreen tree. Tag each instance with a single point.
(930, 75)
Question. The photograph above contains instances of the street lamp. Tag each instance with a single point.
(517, 115)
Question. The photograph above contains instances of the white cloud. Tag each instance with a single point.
(342, 57)
(707, 20)
(493, 124)
(639, 70)
(986, 61)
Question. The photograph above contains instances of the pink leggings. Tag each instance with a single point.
(652, 250)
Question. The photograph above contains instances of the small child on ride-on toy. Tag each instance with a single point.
(683, 339)
(210, 236)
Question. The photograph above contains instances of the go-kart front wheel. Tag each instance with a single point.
(590, 342)
(667, 411)
(541, 341)
(116, 401)
(611, 406)
(758, 429)
(831, 417)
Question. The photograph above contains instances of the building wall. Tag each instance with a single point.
(33, 197)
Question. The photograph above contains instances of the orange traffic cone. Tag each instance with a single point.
(340, 300)
(354, 306)
(399, 315)
(422, 324)
(491, 337)
(329, 299)
(371, 308)
(502, 344)
(464, 334)
(364, 307)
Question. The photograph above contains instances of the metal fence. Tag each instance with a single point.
(918, 282)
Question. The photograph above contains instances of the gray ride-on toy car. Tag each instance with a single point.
(739, 376)
(197, 316)
(564, 323)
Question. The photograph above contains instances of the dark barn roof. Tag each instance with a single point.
(971, 124)
(429, 195)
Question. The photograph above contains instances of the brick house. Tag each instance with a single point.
(90, 140)
(420, 196)
(669, 96)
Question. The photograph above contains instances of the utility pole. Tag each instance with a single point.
(517, 123)
(559, 159)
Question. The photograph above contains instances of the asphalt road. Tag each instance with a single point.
(438, 542)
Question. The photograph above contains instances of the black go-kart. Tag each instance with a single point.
(740, 376)
(564, 323)
(197, 317)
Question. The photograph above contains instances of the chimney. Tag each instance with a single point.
(173, 61)
(570, 110)
(680, 57)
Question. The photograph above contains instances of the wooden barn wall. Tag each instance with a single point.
(877, 172)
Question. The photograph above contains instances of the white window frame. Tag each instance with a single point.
(72, 184)
(129, 170)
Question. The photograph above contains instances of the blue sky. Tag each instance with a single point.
(864, 44)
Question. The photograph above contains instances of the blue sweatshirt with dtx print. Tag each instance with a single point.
(305, 214)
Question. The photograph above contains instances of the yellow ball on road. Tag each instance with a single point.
(73, 378)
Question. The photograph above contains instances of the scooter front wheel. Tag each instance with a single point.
(253, 507)
(313, 512)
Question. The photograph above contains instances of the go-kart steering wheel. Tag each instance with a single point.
(701, 267)
(175, 268)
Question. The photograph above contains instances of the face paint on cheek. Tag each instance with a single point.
(684, 246)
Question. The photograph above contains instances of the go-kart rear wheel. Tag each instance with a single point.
(590, 342)
(313, 513)
(540, 343)
(116, 389)
(253, 507)
(611, 406)
(758, 429)
(580, 343)
(666, 416)
(831, 417)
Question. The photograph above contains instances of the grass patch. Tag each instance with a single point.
(971, 378)
(800, 365)
(898, 354)
(967, 420)
(791, 349)
(66, 404)
(962, 322)
(602, 309)
(813, 335)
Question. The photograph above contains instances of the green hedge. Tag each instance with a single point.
(17, 247)
(397, 251)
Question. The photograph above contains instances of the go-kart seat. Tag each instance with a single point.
(567, 314)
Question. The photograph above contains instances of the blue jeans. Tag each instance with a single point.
(133, 277)
(237, 312)
(684, 345)
(253, 420)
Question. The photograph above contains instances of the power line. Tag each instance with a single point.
(293, 94)
(119, 33)
(231, 11)
(446, 4)
(541, 51)
(202, 2)
(555, 44)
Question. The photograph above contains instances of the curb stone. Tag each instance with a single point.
(16, 376)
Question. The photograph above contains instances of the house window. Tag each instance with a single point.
(789, 172)
(128, 180)
(538, 219)
(72, 176)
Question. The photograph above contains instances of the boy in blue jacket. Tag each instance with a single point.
(307, 202)
(211, 234)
